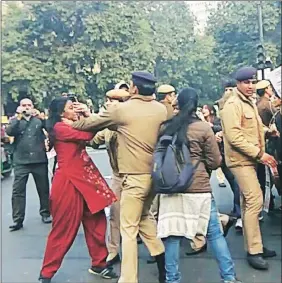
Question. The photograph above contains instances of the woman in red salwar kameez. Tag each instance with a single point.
(79, 194)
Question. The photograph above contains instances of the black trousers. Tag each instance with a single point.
(39, 172)
(279, 167)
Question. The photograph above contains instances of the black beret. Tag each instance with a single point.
(143, 78)
(246, 73)
(229, 83)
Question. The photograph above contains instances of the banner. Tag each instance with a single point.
(275, 79)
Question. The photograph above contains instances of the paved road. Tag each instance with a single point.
(22, 251)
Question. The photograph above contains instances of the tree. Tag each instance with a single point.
(182, 58)
(78, 47)
(85, 48)
(234, 27)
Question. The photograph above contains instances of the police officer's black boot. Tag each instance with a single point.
(160, 259)
(257, 261)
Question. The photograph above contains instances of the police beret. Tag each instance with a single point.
(117, 93)
(246, 73)
(163, 89)
(263, 84)
(229, 83)
(143, 77)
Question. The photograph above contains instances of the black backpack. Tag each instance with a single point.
(173, 170)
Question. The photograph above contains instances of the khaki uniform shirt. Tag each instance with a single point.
(109, 138)
(137, 122)
(242, 131)
(169, 109)
(266, 110)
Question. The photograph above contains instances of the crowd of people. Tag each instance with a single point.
(238, 136)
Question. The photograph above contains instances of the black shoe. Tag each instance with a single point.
(268, 253)
(16, 227)
(201, 250)
(229, 224)
(106, 272)
(151, 260)
(113, 261)
(160, 259)
(44, 280)
(46, 219)
(257, 262)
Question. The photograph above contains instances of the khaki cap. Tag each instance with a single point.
(118, 94)
(163, 89)
(263, 84)
(121, 84)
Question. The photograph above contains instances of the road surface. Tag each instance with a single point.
(22, 251)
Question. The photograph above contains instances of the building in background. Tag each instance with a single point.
(201, 11)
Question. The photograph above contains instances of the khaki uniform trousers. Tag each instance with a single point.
(114, 235)
(135, 203)
(199, 241)
(251, 206)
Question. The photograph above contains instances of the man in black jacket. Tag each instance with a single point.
(29, 156)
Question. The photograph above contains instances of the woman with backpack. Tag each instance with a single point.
(185, 214)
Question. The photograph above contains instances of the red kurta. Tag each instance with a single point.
(78, 195)
(77, 170)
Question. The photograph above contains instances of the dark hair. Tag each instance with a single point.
(123, 86)
(187, 102)
(56, 109)
(211, 109)
(145, 89)
(162, 96)
(261, 92)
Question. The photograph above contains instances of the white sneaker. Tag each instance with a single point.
(261, 217)
(239, 224)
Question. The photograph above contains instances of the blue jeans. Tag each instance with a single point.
(217, 243)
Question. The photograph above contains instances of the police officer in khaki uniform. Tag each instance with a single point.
(166, 95)
(228, 92)
(267, 113)
(244, 149)
(109, 138)
(137, 124)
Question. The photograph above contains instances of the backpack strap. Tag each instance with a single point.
(174, 138)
